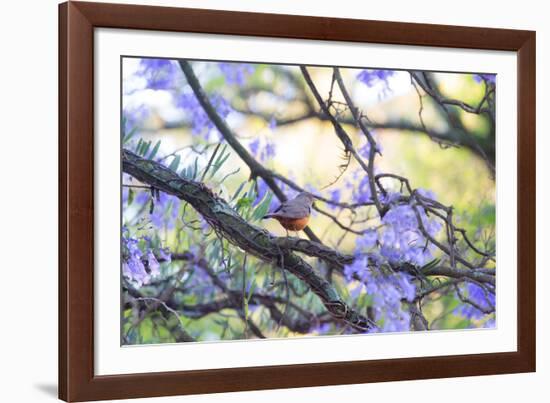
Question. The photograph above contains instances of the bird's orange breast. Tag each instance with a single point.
(293, 224)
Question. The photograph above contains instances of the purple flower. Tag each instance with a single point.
(154, 266)
(254, 146)
(164, 255)
(387, 290)
(372, 77)
(335, 196)
(262, 190)
(236, 73)
(397, 322)
(390, 197)
(139, 258)
(142, 197)
(264, 150)
(323, 328)
(160, 74)
(401, 217)
(199, 120)
(490, 323)
(365, 150)
(132, 266)
(377, 80)
(362, 194)
(359, 267)
(133, 118)
(482, 298)
(367, 241)
(401, 238)
(165, 211)
(134, 270)
(404, 283)
(489, 78)
(268, 152)
(428, 194)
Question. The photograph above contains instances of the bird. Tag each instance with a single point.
(293, 215)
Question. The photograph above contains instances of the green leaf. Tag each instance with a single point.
(128, 136)
(138, 146)
(195, 168)
(146, 329)
(146, 146)
(245, 303)
(251, 194)
(238, 191)
(244, 202)
(251, 290)
(217, 164)
(175, 163)
(130, 196)
(154, 150)
(263, 207)
(220, 155)
(430, 265)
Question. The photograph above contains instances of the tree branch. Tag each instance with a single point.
(235, 229)
(370, 138)
(256, 169)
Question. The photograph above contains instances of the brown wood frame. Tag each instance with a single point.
(77, 21)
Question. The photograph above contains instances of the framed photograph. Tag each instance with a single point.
(255, 201)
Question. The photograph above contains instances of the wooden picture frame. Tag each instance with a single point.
(77, 21)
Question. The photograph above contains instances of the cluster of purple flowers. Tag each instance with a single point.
(483, 298)
(335, 195)
(262, 149)
(360, 193)
(140, 198)
(401, 239)
(236, 73)
(164, 74)
(133, 117)
(371, 77)
(139, 263)
(160, 74)
(165, 211)
(489, 78)
(199, 120)
(398, 240)
(387, 289)
(364, 150)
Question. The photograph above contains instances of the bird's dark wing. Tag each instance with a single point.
(277, 210)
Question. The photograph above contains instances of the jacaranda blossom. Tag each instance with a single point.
(160, 74)
(388, 290)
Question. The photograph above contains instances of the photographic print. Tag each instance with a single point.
(268, 201)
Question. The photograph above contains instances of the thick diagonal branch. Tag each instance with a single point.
(235, 229)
